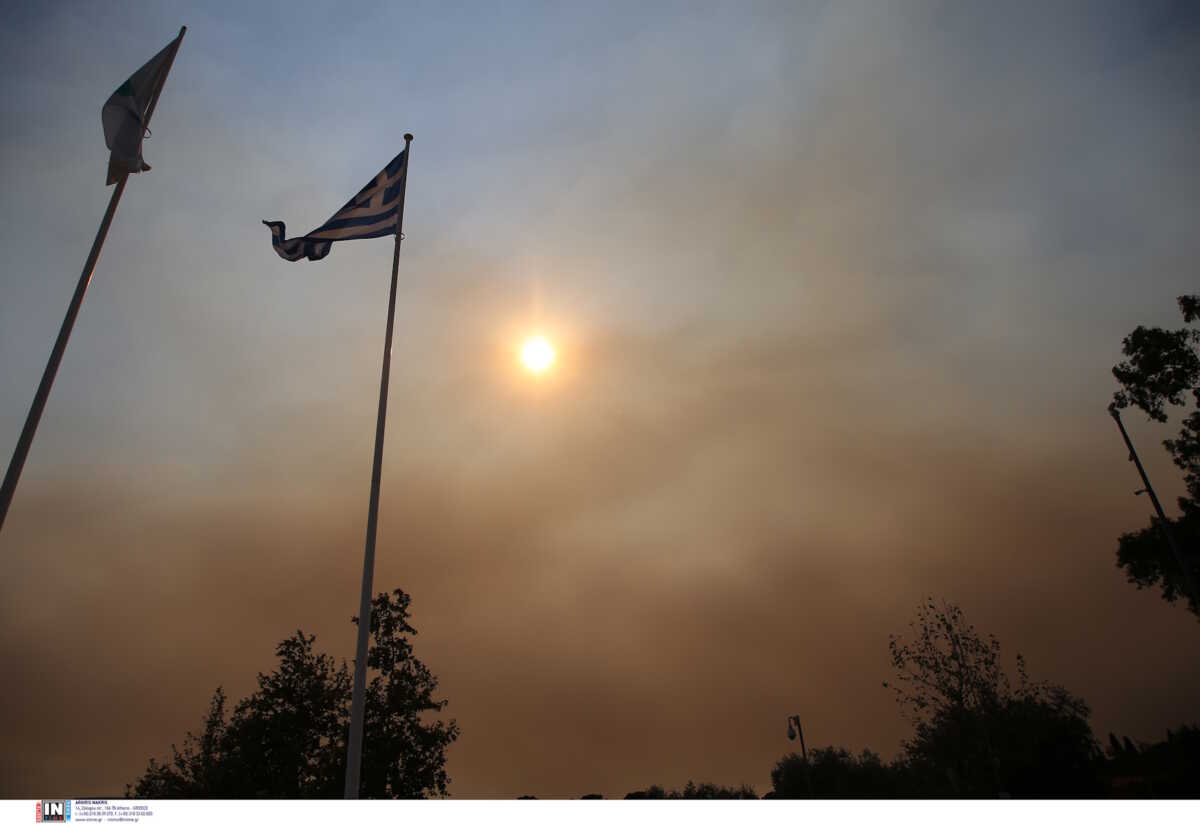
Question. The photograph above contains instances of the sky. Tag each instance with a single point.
(836, 289)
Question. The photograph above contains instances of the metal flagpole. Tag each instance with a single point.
(17, 463)
(354, 750)
(1163, 523)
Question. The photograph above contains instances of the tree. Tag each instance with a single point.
(654, 792)
(704, 791)
(288, 739)
(1148, 561)
(977, 735)
(1162, 370)
(708, 791)
(1167, 769)
(833, 772)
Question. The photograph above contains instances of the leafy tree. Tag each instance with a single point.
(693, 791)
(652, 793)
(1167, 769)
(834, 773)
(1162, 370)
(977, 735)
(195, 771)
(288, 739)
(707, 791)
(1148, 560)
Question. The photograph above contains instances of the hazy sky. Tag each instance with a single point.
(836, 289)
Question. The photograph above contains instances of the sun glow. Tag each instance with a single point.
(537, 355)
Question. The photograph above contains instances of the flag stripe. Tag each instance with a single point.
(356, 231)
(332, 225)
(370, 213)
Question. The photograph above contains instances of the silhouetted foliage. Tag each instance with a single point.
(833, 772)
(975, 734)
(652, 793)
(692, 792)
(1161, 370)
(1148, 561)
(288, 739)
(1168, 769)
(706, 790)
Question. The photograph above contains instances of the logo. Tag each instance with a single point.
(53, 811)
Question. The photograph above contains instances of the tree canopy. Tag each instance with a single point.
(975, 733)
(692, 791)
(1161, 371)
(1166, 769)
(288, 738)
(835, 772)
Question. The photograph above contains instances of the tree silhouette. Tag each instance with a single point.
(1162, 370)
(288, 738)
(974, 733)
(692, 791)
(834, 772)
(1148, 561)
(1167, 769)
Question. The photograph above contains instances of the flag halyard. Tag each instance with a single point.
(370, 213)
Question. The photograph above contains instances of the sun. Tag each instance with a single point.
(537, 355)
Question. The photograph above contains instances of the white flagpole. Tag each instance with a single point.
(354, 749)
(13, 474)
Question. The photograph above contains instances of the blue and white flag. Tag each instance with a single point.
(370, 213)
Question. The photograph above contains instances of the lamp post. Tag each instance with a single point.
(795, 731)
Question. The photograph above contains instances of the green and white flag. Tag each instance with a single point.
(124, 115)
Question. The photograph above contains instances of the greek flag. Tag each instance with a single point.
(370, 213)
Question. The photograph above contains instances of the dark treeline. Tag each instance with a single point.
(976, 733)
(1167, 769)
(695, 792)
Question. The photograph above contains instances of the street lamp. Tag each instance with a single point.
(794, 732)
